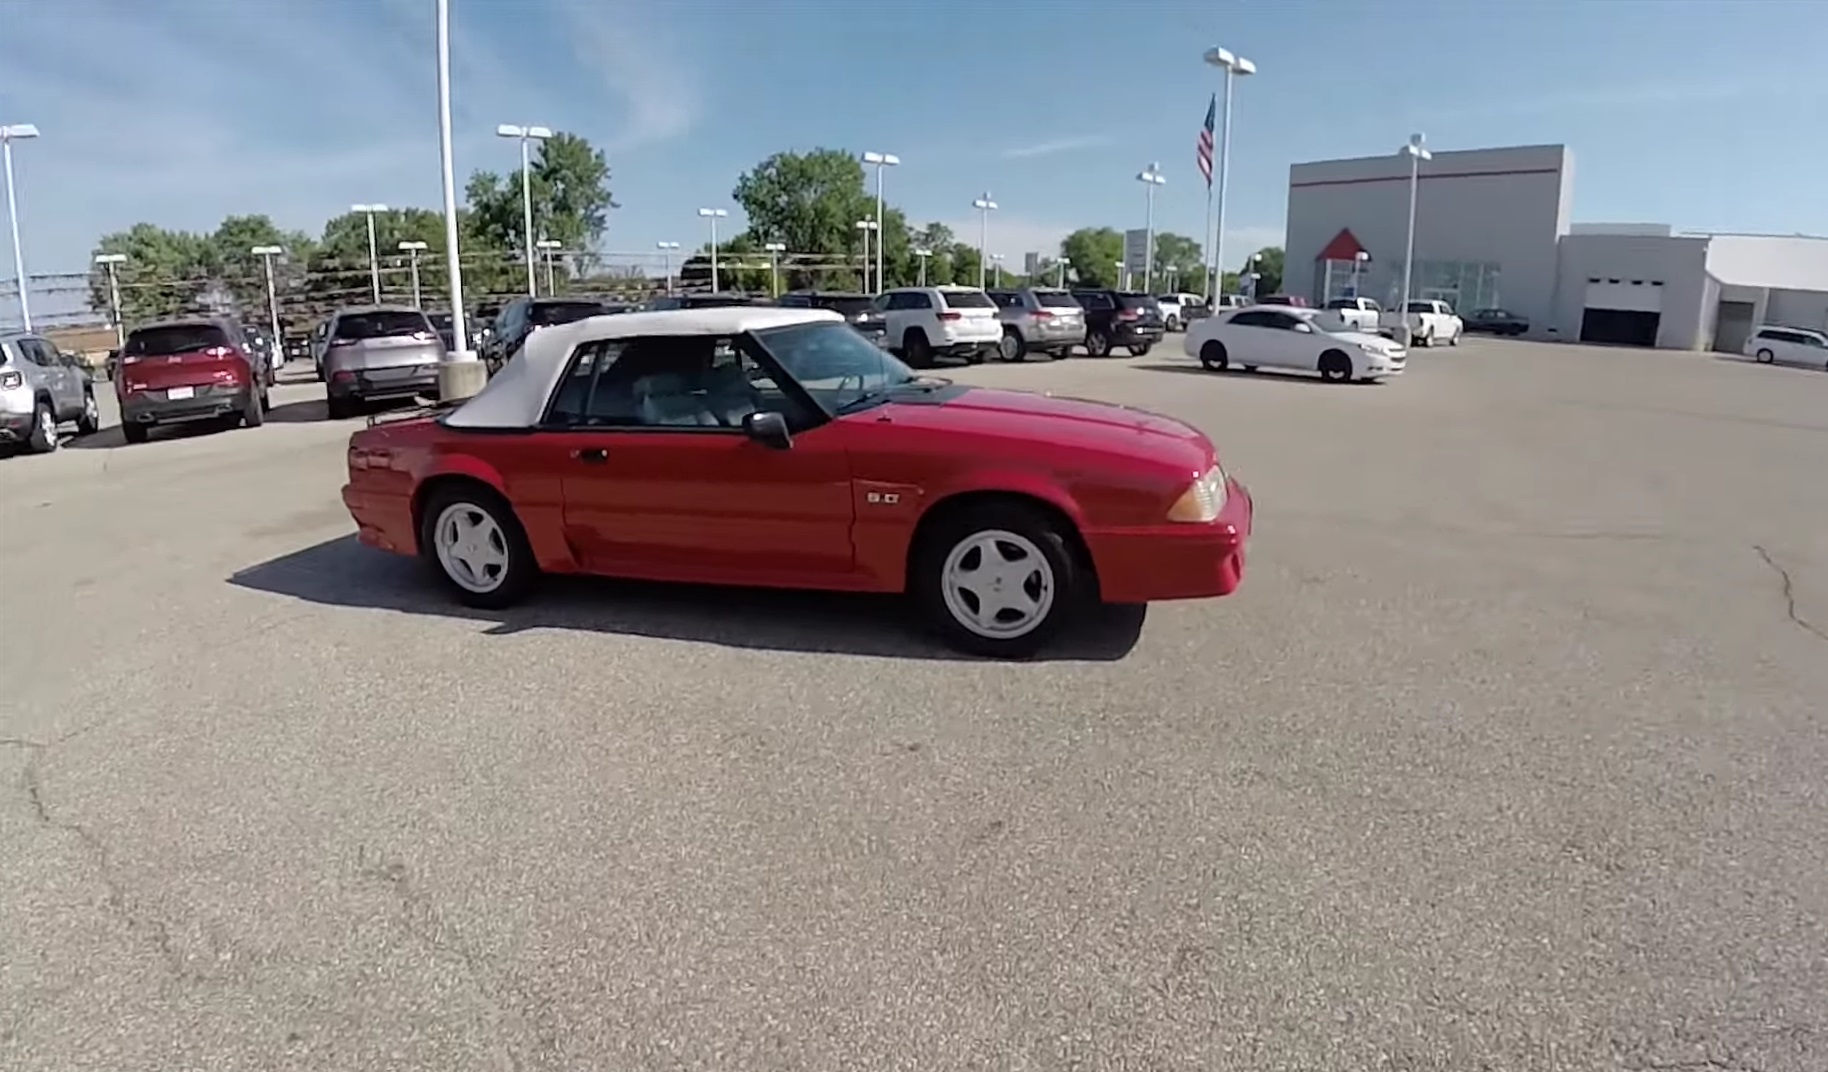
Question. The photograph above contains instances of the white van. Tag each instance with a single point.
(1773, 344)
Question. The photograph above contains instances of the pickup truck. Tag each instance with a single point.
(1426, 323)
(1356, 314)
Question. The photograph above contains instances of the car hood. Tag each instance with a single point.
(1364, 338)
(1055, 421)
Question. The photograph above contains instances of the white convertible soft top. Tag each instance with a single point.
(516, 397)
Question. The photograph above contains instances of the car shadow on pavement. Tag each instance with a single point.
(309, 411)
(1265, 375)
(111, 437)
(343, 573)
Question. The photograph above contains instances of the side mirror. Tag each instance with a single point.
(769, 429)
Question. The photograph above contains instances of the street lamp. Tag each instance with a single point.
(1416, 149)
(1235, 66)
(526, 135)
(880, 161)
(1151, 177)
(1251, 273)
(108, 261)
(1122, 283)
(547, 248)
(985, 207)
(775, 249)
(266, 255)
(713, 214)
(923, 254)
(413, 249)
(8, 135)
(996, 259)
(666, 258)
(866, 226)
(374, 258)
(460, 375)
(1061, 267)
(1358, 267)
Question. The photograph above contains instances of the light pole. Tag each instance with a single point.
(880, 161)
(1061, 267)
(996, 260)
(108, 261)
(526, 135)
(1250, 272)
(266, 255)
(1358, 266)
(1122, 284)
(1151, 177)
(8, 135)
(775, 249)
(865, 227)
(985, 207)
(412, 250)
(460, 375)
(548, 248)
(713, 214)
(374, 257)
(1416, 149)
(923, 254)
(666, 257)
(1234, 66)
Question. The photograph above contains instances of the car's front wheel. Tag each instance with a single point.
(476, 544)
(1335, 366)
(996, 579)
(1765, 357)
(43, 438)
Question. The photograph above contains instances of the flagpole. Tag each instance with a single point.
(1208, 252)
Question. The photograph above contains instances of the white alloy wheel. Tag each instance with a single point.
(47, 426)
(92, 414)
(471, 547)
(998, 584)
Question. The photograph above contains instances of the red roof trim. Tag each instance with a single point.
(1344, 247)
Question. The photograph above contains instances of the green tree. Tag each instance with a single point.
(571, 199)
(230, 260)
(809, 201)
(1181, 257)
(165, 272)
(1269, 269)
(1094, 252)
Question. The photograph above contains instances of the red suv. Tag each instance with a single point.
(188, 370)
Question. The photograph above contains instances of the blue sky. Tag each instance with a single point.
(1706, 115)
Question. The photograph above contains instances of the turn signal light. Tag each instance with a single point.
(1203, 500)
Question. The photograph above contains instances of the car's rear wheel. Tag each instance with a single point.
(255, 414)
(472, 538)
(918, 350)
(1335, 366)
(1766, 357)
(1214, 356)
(43, 439)
(1013, 347)
(1098, 344)
(89, 421)
(134, 432)
(1172, 324)
(338, 408)
(1143, 350)
(996, 579)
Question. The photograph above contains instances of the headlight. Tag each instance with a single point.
(1203, 499)
(1374, 348)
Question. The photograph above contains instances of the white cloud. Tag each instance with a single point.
(1055, 147)
(642, 65)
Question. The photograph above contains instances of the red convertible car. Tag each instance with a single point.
(778, 447)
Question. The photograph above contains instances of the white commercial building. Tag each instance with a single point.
(1493, 230)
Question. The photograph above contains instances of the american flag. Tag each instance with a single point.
(1205, 150)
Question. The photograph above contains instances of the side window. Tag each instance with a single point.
(1285, 322)
(38, 352)
(1254, 319)
(901, 300)
(664, 381)
(920, 299)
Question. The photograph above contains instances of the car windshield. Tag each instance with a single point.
(1055, 299)
(838, 367)
(967, 299)
(170, 339)
(382, 324)
(546, 314)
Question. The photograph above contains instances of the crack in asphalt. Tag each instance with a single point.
(1789, 589)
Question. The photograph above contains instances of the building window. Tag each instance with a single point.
(1461, 284)
(1343, 279)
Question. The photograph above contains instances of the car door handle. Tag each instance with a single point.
(590, 455)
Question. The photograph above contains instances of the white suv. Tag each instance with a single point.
(922, 322)
(1789, 346)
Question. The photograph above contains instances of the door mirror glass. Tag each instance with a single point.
(769, 429)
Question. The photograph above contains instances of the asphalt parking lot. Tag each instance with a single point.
(1509, 754)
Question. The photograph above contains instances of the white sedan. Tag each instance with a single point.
(1285, 337)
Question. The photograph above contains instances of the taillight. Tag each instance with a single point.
(10, 380)
(1042, 314)
(952, 316)
(131, 359)
(1127, 314)
(342, 376)
(334, 343)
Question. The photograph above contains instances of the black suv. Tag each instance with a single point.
(523, 316)
(859, 309)
(1126, 318)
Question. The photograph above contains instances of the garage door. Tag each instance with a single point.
(1733, 326)
(1622, 311)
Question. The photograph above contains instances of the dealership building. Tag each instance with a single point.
(1493, 229)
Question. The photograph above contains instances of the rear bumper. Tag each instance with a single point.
(208, 403)
(1049, 338)
(1173, 561)
(384, 383)
(1130, 335)
(15, 427)
(384, 522)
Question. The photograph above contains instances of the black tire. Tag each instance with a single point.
(1141, 351)
(266, 400)
(1335, 366)
(89, 421)
(338, 409)
(1061, 573)
(1214, 356)
(43, 439)
(1014, 347)
(255, 414)
(1766, 357)
(1060, 355)
(1098, 344)
(1454, 339)
(977, 355)
(134, 432)
(918, 350)
(1250, 368)
(516, 578)
(1172, 325)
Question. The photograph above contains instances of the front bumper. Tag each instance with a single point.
(208, 402)
(384, 383)
(1175, 561)
(15, 427)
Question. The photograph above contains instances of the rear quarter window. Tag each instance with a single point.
(967, 299)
